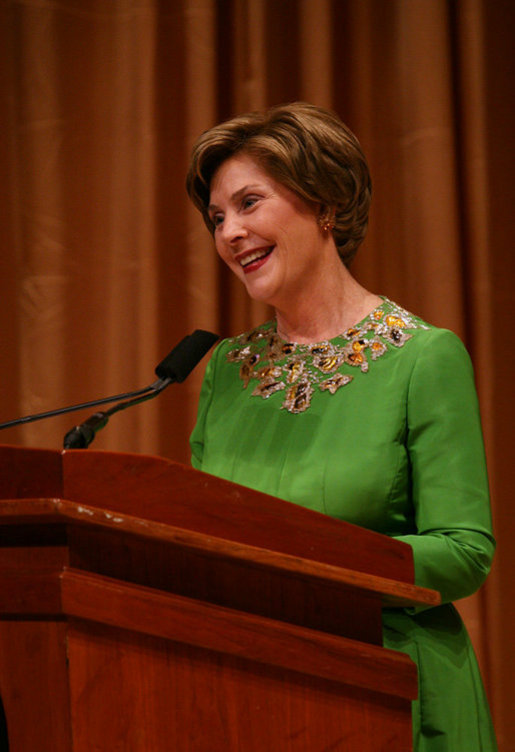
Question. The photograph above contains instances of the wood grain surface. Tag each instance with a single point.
(146, 606)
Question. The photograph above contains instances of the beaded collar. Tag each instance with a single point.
(297, 370)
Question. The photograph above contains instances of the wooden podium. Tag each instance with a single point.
(147, 607)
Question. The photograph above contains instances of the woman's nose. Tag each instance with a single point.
(233, 228)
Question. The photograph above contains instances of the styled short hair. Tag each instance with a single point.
(306, 148)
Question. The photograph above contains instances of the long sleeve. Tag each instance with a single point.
(454, 546)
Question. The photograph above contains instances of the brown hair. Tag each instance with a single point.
(306, 148)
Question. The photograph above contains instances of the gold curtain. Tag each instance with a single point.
(104, 265)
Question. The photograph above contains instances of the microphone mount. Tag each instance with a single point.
(81, 436)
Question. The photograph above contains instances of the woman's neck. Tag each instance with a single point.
(325, 310)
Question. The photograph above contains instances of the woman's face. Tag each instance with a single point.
(264, 232)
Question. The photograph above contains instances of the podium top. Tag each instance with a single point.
(154, 496)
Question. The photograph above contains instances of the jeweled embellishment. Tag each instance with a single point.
(247, 368)
(296, 369)
(328, 363)
(267, 387)
(335, 382)
(377, 348)
(298, 397)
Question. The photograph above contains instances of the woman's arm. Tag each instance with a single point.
(454, 546)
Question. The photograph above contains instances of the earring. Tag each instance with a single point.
(326, 223)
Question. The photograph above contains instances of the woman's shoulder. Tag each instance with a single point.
(396, 320)
(390, 326)
(247, 346)
(435, 354)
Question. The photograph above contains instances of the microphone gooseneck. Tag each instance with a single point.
(177, 365)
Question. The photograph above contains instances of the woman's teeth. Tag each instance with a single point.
(255, 255)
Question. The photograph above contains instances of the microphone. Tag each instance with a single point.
(184, 357)
(177, 365)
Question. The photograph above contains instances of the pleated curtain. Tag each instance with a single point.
(104, 265)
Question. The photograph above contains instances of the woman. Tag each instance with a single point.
(345, 403)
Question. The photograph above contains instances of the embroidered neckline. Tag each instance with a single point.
(298, 369)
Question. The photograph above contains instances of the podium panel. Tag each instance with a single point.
(147, 606)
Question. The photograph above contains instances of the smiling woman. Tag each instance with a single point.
(261, 191)
(344, 401)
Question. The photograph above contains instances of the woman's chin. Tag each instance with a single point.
(261, 290)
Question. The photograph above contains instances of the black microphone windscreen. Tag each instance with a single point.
(184, 357)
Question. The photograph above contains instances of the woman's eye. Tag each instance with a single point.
(249, 201)
(217, 219)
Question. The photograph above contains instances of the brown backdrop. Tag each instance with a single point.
(104, 265)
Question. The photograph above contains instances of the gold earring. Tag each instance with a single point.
(326, 223)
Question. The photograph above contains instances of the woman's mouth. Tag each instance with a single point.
(255, 259)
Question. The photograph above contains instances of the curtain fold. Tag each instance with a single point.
(105, 265)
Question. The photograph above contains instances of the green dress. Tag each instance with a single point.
(379, 427)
